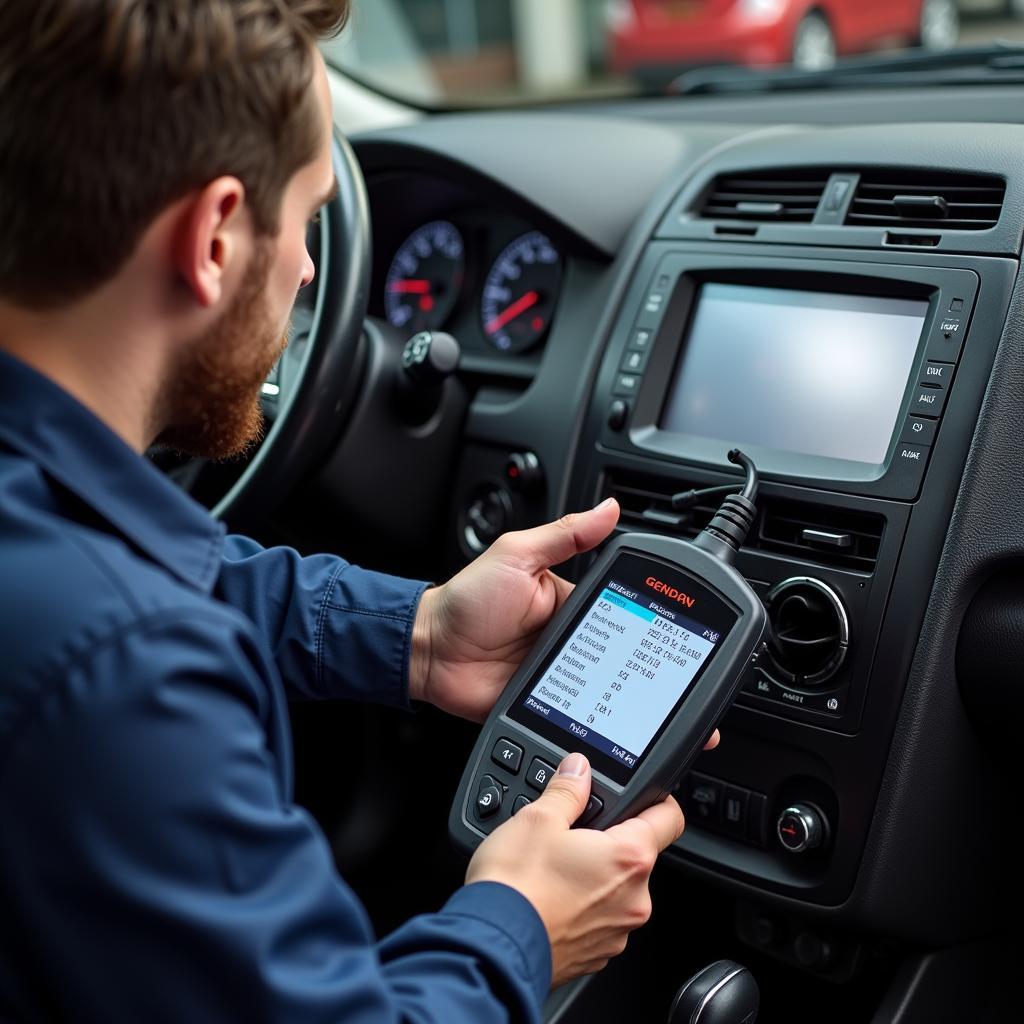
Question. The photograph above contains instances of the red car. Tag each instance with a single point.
(666, 36)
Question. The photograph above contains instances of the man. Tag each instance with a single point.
(159, 163)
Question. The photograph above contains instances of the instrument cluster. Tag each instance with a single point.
(491, 279)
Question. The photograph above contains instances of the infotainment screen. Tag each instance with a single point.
(628, 661)
(796, 371)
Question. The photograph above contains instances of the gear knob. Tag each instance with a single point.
(723, 993)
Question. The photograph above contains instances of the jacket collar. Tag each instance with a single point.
(44, 423)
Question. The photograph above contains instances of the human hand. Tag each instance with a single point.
(471, 633)
(589, 888)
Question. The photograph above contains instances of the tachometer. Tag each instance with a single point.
(520, 293)
(425, 277)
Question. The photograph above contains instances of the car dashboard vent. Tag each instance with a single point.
(910, 199)
(839, 537)
(822, 534)
(783, 196)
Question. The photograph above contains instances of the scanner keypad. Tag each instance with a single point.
(500, 792)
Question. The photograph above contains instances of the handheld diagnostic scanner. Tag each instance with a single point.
(634, 671)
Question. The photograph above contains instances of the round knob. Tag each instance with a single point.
(723, 993)
(523, 471)
(487, 516)
(429, 357)
(813, 951)
(810, 632)
(801, 827)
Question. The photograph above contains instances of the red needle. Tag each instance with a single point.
(519, 306)
(408, 285)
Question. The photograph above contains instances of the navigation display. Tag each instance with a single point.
(628, 661)
(796, 371)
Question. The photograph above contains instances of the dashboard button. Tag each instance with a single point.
(928, 402)
(626, 384)
(507, 754)
(702, 798)
(947, 338)
(539, 774)
(618, 413)
(488, 797)
(641, 340)
(937, 374)
(919, 430)
(634, 362)
(912, 454)
(520, 803)
(734, 810)
(757, 818)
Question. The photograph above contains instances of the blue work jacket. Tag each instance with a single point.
(153, 866)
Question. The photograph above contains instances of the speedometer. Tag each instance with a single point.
(520, 293)
(425, 277)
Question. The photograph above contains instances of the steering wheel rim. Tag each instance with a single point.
(312, 410)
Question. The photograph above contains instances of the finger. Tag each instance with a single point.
(567, 792)
(663, 822)
(716, 738)
(557, 542)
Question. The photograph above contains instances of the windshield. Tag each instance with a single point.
(439, 53)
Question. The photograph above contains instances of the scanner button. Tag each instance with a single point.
(539, 774)
(595, 805)
(488, 797)
(507, 754)
(521, 802)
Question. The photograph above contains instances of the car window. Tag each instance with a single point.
(436, 53)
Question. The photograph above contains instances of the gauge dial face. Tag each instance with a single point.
(425, 278)
(520, 293)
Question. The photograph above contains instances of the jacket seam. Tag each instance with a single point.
(52, 679)
(321, 625)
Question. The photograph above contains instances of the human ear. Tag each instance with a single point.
(208, 239)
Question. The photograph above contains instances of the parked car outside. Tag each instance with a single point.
(659, 37)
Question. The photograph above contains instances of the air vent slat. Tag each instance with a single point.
(963, 202)
(785, 196)
(780, 526)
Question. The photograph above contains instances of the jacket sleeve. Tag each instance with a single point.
(336, 631)
(159, 871)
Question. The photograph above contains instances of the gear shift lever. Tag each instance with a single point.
(723, 993)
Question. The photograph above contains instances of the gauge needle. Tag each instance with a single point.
(521, 305)
(411, 286)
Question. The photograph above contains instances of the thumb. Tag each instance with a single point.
(557, 542)
(566, 794)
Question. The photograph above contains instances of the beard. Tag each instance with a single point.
(212, 405)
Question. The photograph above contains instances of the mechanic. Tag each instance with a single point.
(159, 165)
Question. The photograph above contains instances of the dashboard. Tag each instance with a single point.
(635, 294)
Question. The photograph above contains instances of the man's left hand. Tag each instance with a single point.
(471, 634)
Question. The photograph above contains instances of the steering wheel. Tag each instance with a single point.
(318, 373)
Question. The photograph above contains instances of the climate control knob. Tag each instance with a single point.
(801, 827)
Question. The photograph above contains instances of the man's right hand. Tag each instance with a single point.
(589, 888)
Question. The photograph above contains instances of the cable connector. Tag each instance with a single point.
(727, 531)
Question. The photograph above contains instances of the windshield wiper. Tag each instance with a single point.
(1001, 62)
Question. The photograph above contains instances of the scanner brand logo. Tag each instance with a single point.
(670, 592)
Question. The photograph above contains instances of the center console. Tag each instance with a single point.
(853, 375)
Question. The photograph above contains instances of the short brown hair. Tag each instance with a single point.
(112, 109)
